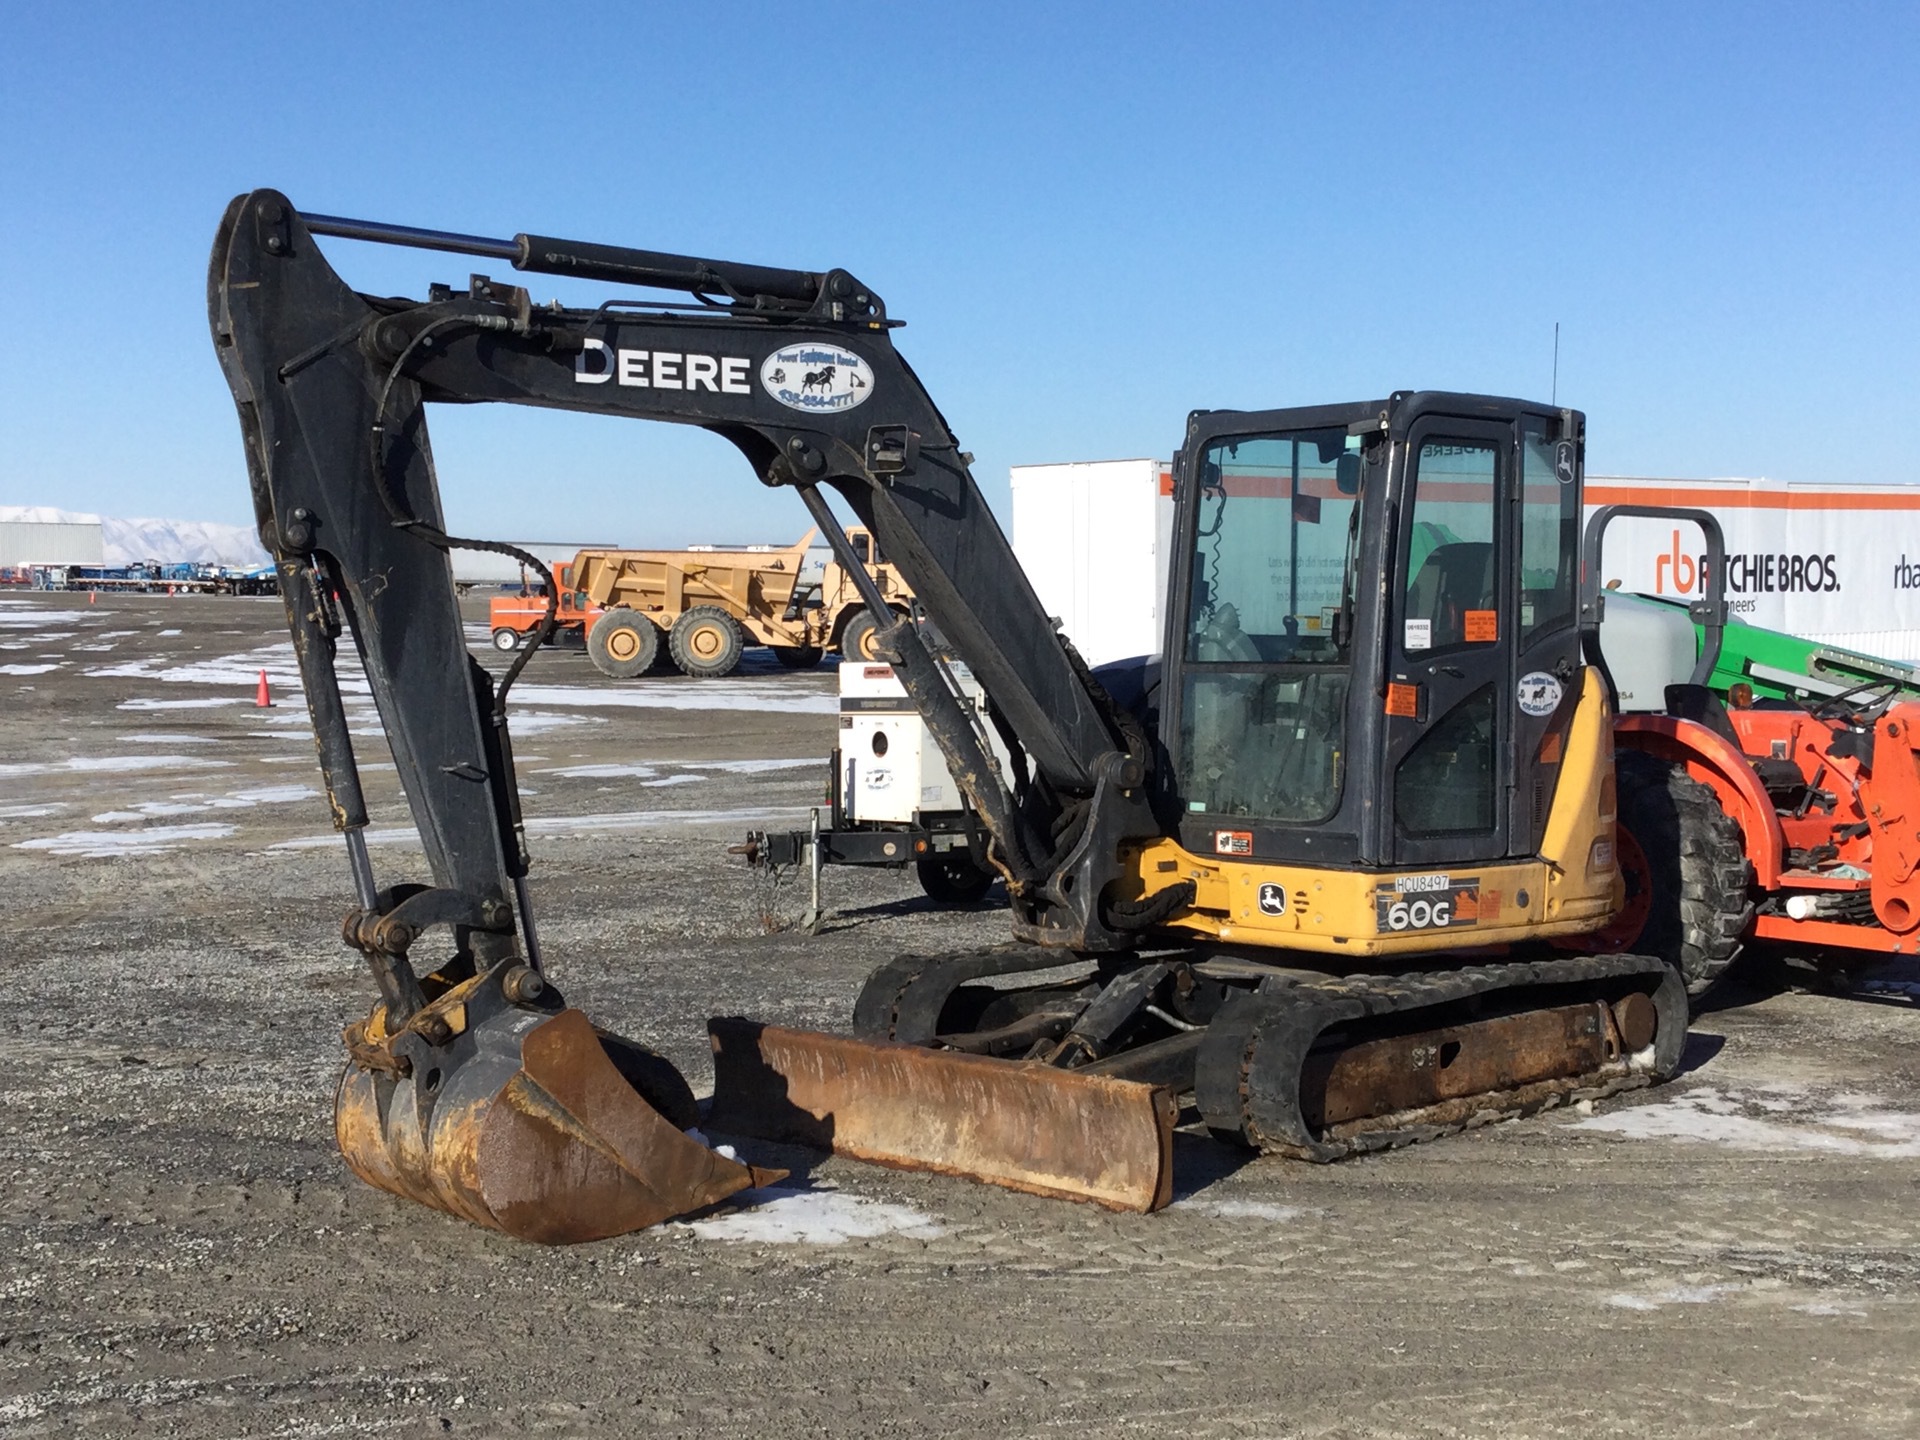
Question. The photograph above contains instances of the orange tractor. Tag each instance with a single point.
(1769, 786)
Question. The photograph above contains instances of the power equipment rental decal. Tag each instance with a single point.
(814, 376)
(1426, 902)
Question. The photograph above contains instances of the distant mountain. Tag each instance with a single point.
(177, 541)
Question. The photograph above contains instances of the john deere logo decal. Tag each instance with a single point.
(817, 377)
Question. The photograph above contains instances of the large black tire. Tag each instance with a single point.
(797, 657)
(951, 878)
(1695, 871)
(623, 644)
(706, 641)
(857, 635)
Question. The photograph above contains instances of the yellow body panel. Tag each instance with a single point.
(1570, 888)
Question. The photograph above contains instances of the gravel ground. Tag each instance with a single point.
(1731, 1253)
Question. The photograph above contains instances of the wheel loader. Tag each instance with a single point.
(1326, 877)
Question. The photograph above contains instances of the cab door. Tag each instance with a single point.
(1448, 702)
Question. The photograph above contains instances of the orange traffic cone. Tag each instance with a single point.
(261, 699)
(93, 597)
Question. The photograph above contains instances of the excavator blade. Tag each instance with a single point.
(1016, 1123)
(523, 1123)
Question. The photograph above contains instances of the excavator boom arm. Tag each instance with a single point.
(796, 369)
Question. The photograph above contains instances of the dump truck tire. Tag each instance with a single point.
(706, 641)
(856, 637)
(505, 639)
(797, 657)
(1692, 865)
(951, 878)
(623, 645)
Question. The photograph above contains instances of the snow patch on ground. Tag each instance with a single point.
(170, 739)
(565, 825)
(147, 704)
(27, 669)
(757, 695)
(647, 772)
(1247, 1210)
(646, 819)
(814, 1217)
(116, 764)
(1828, 1307)
(1678, 1295)
(198, 804)
(29, 812)
(31, 618)
(1778, 1118)
(544, 722)
(748, 767)
(106, 844)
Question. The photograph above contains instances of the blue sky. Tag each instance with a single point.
(1093, 218)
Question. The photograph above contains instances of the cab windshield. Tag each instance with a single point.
(1269, 626)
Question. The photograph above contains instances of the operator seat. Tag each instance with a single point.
(1454, 579)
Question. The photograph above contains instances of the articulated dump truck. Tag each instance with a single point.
(1320, 888)
(696, 611)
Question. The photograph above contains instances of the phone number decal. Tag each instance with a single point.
(1445, 907)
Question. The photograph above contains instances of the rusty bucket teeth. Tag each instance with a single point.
(1015, 1123)
(519, 1122)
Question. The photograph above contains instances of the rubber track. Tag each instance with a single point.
(902, 1000)
(1248, 1073)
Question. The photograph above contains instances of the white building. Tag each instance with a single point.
(42, 535)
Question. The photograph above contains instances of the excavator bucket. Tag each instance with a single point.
(1016, 1123)
(522, 1122)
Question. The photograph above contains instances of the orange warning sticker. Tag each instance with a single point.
(1403, 700)
(1233, 842)
(1482, 626)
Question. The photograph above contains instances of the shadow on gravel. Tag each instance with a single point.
(1766, 972)
(1700, 1049)
(1199, 1160)
(798, 1161)
(852, 916)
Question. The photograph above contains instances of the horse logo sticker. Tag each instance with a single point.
(817, 377)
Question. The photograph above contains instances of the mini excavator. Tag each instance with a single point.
(1330, 868)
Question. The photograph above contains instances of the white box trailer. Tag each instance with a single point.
(1835, 563)
(1090, 536)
